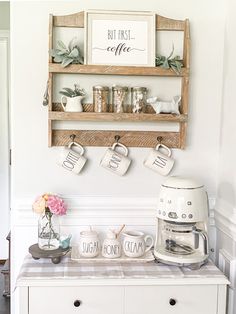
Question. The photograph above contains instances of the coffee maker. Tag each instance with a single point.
(182, 216)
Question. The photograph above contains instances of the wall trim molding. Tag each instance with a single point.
(225, 218)
(97, 210)
(5, 33)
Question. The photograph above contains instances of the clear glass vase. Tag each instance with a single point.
(48, 231)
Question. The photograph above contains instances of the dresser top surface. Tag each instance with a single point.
(150, 272)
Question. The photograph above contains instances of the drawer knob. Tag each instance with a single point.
(77, 303)
(172, 302)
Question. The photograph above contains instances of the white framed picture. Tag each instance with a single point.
(120, 38)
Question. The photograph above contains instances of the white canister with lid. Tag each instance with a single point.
(89, 244)
(111, 247)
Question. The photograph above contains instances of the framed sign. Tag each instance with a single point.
(120, 38)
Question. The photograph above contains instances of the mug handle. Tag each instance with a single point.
(78, 145)
(165, 147)
(121, 145)
(152, 242)
(62, 103)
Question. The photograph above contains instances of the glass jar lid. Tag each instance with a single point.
(99, 87)
(88, 233)
(138, 89)
(119, 88)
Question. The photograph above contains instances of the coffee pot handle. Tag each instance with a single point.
(151, 244)
(203, 234)
(63, 106)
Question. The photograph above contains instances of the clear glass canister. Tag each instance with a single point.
(138, 99)
(48, 231)
(119, 94)
(101, 98)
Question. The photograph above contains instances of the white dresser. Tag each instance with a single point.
(115, 288)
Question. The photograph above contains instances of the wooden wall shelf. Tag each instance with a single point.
(115, 70)
(121, 117)
(129, 138)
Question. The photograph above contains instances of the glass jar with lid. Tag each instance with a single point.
(100, 98)
(138, 99)
(119, 94)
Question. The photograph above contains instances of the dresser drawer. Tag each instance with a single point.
(188, 299)
(61, 300)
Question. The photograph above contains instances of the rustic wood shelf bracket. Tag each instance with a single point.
(62, 137)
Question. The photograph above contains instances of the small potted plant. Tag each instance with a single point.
(67, 55)
(49, 206)
(71, 98)
(174, 63)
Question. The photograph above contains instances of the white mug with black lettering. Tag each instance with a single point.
(72, 160)
(158, 161)
(115, 161)
(135, 243)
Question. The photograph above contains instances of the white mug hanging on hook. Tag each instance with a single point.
(158, 161)
(115, 161)
(72, 158)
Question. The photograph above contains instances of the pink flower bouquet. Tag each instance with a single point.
(49, 203)
(49, 206)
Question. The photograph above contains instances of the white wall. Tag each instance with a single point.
(4, 136)
(34, 168)
(4, 144)
(226, 187)
(227, 176)
(29, 120)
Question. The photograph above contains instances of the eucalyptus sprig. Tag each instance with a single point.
(175, 63)
(69, 92)
(67, 55)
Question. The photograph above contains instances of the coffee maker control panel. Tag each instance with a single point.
(172, 215)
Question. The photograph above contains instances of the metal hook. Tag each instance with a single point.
(117, 138)
(159, 139)
(46, 95)
(73, 136)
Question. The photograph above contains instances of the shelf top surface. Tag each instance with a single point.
(106, 116)
(115, 70)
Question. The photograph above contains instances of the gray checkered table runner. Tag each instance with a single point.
(44, 269)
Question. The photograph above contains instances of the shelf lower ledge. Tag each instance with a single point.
(121, 117)
(105, 138)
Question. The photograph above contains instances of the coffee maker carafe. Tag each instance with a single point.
(182, 216)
